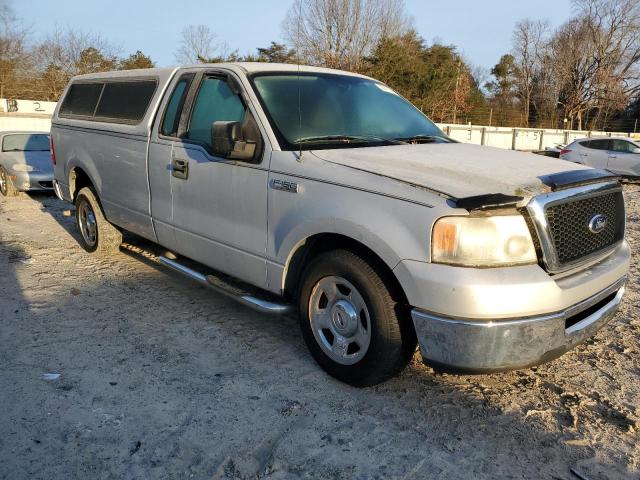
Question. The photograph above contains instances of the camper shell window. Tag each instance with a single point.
(111, 102)
(81, 100)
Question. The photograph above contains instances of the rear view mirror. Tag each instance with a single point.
(229, 141)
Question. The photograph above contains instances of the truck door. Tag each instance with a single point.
(219, 206)
(163, 134)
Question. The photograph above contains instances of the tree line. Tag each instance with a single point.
(41, 68)
(583, 74)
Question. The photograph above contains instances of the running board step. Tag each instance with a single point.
(219, 285)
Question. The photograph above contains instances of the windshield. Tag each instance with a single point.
(314, 111)
(25, 142)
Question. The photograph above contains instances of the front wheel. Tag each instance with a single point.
(96, 233)
(7, 189)
(352, 322)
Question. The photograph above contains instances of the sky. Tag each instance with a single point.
(481, 29)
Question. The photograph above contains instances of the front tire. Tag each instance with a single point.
(96, 233)
(7, 189)
(351, 320)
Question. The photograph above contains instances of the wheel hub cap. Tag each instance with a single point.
(344, 317)
(88, 224)
(340, 320)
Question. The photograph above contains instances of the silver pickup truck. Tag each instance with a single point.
(300, 189)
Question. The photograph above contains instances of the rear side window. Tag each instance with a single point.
(602, 144)
(81, 100)
(112, 102)
(174, 107)
(125, 101)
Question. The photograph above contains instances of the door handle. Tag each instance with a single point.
(180, 168)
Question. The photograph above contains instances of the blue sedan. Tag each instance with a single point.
(25, 162)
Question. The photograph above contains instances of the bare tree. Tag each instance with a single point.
(546, 92)
(66, 53)
(614, 28)
(528, 46)
(596, 57)
(14, 56)
(340, 33)
(199, 44)
(480, 74)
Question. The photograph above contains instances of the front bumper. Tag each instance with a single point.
(505, 293)
(483, 346)
(32, 181)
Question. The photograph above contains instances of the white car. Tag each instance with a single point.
(619, 155)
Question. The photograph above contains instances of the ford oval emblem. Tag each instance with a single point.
(598, 223)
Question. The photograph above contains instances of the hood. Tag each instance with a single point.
(38, 160)
(457, 170)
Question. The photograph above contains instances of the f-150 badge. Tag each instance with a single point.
(284, 185)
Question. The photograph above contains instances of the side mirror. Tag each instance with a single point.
(228, 141)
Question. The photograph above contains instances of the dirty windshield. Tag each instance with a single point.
(315, 111)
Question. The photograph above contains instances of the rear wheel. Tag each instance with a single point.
(6, 185)
(96, 233)
(352, 323)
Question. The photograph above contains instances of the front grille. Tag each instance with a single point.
(46, 184)
(569, 225)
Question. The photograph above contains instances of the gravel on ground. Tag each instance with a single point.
(118, 368)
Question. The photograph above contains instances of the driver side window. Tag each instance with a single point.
(215, 102)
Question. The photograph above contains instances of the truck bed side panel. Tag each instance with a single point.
(116, 165)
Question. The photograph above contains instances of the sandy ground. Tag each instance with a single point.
(161, 378)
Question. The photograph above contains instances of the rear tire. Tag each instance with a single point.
(7, 189)
(353, 324)
(96, 233)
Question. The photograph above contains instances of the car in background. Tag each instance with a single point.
(620, 155)
(25, 162)
(553, 152)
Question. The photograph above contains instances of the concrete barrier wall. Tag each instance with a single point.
(521, 138)
(9, 121)
(36, 115)
(35, 107)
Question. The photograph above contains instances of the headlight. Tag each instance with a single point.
(482, 241)
(21, 167)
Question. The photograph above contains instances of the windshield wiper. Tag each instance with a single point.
(349, 139)
(425, 139)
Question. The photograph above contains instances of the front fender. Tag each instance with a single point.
(394, 229)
